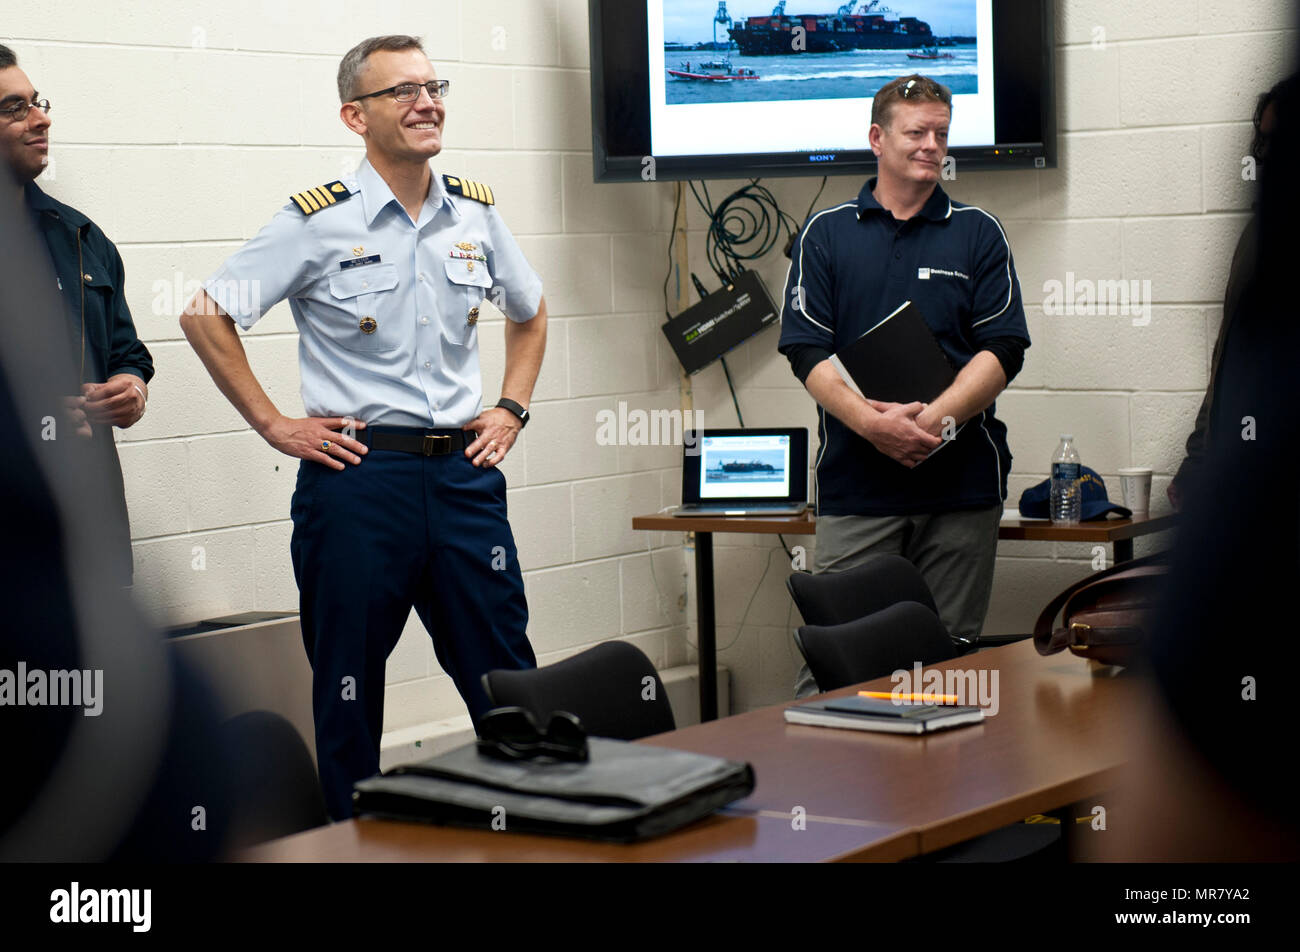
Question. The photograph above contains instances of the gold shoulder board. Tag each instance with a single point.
(475, 190)
(322, 196)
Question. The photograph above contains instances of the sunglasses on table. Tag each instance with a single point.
(512, 733)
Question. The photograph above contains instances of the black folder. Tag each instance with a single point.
(625, 792)
(897, 361)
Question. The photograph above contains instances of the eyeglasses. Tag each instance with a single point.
(924, 87)
(410, 92)
(511, 733)
(18, 111)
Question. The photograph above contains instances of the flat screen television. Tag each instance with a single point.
(684, 89)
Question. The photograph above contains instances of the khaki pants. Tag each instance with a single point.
(954, 552)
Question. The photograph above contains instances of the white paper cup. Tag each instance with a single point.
(1136, 482)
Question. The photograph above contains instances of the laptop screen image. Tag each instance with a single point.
(746, 466)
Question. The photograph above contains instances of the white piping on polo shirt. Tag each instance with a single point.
(976, 208)
(817, 470)
(803, 301)
(997, 457)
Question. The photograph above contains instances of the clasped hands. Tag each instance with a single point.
(905, 432)
(119, 401)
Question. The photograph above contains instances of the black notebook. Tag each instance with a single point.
(877, 714)
(897, 361)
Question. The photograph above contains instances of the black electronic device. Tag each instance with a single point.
(705, 331)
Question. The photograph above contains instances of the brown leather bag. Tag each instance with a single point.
(1105, 616)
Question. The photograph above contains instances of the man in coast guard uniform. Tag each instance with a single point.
(398, 502)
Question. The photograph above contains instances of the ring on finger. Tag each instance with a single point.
(325, 445)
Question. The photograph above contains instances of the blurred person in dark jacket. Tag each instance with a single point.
(114, 366)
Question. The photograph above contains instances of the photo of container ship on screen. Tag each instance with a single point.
(871, 27)
(740, 55)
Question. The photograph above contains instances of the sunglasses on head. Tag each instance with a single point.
(916, 87)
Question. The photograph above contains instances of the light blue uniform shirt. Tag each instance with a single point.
(386, 309)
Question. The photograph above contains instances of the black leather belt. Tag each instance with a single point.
(414, 440)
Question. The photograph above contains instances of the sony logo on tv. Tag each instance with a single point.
(824, 157)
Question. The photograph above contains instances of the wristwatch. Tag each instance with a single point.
(507, 404)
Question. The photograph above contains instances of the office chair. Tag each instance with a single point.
(275, 785)
(877, 644)
(604, 686)
(891, 639)
(832, 598)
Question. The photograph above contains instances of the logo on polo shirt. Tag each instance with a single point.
(923, 274)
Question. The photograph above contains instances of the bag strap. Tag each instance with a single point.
(1043, 627)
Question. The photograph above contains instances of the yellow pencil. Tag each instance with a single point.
(926, 698)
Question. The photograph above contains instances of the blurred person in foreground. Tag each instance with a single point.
(1202, 782)
(1240, 272)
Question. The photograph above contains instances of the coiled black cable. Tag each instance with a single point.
(744, 226)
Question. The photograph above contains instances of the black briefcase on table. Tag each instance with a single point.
(623, 792)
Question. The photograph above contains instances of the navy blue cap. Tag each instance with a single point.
(1035, 502)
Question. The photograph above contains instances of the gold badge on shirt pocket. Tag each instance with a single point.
(471, 275)
(368, 325)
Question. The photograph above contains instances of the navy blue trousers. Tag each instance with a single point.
(399, 530)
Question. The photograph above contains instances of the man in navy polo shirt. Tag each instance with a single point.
(879, 489)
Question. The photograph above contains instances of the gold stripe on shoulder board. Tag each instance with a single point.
(320, 196)
(470, 189)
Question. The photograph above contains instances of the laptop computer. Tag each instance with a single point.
(760, 471)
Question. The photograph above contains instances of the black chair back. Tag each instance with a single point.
(275, 785)
(605, 686)
(833, 598)
(874, 646)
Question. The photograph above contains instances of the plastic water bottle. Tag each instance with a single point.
(1067, 494)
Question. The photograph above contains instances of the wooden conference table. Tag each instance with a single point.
(1121, 532)
(1058, 738)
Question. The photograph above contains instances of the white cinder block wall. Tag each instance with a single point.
(181, 128)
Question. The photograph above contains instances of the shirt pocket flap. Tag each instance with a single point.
(458, 272)
(367, 280)
(95, 274)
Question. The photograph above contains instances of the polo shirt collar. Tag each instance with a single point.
(936, 208)
(41, 203)
(376, 195)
